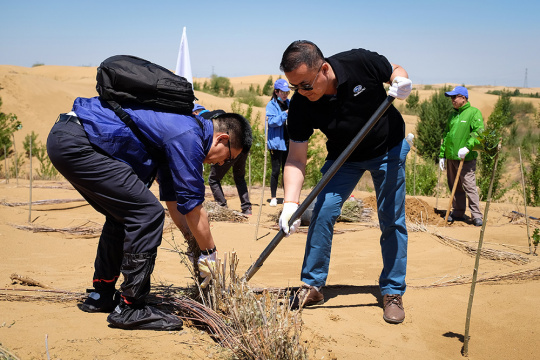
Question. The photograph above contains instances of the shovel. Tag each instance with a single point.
(322, 183)
(453, 191)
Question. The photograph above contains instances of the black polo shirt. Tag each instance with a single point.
(360, 75)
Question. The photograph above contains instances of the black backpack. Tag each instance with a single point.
(127, 79)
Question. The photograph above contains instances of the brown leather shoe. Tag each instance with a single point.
(306, 296)
(393, 309)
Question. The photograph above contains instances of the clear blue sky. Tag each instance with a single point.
(475, 42)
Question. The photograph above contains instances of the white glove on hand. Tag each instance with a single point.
(441, 163)
(463, 152)
(401, 88)
(289, 209)
(207, 265)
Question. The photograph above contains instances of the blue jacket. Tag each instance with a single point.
(277, 121)
(180, 137)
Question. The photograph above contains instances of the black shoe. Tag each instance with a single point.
(100, 302)
(477, 222)
(451, 218)
(143, 317)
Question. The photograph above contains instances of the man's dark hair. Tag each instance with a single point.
(238, 128)
(301, 52)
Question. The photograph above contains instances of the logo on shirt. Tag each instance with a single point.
(358, 89)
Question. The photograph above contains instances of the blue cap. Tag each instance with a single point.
(458, 90)
(281, 84)
(198, 107)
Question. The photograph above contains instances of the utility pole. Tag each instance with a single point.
(525, 85)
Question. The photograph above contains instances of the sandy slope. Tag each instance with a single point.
(348, 326)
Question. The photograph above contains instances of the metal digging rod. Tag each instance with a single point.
(322, 183)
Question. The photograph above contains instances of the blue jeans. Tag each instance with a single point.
(388, 173)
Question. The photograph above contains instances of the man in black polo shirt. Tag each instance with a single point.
(338, 95)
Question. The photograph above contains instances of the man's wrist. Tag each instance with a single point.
(208, 251)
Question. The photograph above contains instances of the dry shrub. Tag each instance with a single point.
(353, 211)
(262, 325)
(217, 212)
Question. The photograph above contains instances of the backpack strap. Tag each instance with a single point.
(154, 152)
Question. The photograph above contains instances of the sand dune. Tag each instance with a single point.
(348, 325)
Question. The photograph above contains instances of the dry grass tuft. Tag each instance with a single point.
(217, 212)
(486, 253)
(354, 211)
(75, 230)
(42, 202)
(513, 276)
(268, 328)
(471, 247)
(251, 325)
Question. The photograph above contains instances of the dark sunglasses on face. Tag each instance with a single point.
(306, 87)
(230, 159)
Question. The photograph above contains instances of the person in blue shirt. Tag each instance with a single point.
(112, 169)
(198, 109)
(278, 139)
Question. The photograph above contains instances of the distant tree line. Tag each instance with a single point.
(515, 93)
(221, 86)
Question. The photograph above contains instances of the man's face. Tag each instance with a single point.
(458, 101)
(221, 151)
(314, 78)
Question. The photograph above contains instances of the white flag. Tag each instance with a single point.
(183, 65)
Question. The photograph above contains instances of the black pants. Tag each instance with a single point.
(133, 215)
(278, 158)
(217, 173)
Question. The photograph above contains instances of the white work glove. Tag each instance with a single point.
(410, 139)
(441, 163)
(207, 265)
(462, 152)
(289, 208)
(401, 88)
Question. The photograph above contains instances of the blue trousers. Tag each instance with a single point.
(388, 174)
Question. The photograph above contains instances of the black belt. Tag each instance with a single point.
(66, 118)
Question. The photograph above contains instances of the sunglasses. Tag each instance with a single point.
(306, 87)
(230, 159)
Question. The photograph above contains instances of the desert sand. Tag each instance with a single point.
(349, 325)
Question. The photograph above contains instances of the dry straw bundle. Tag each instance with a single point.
(217, 212)
(251, 325)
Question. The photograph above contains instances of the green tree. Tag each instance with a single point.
(316, 157)
(220, 85)
(433, 115)
(268, 87)
(532, 178)
(499, 119)
(26, 144)
(413, 101)
(420, 177)
(8, 125)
